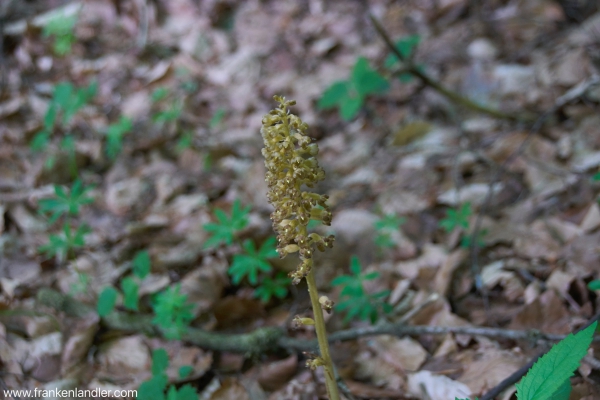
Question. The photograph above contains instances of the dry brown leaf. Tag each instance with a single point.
(230, 389)
(436, 387)
(489, 368)
(273, 376)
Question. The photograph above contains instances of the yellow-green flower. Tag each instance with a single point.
(291, 164)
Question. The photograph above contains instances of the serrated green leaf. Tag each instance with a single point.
(563, 392)
(154, 388)
(130, 293)
(187, 392)
(334, 95)
(551, 370)
(107, 301)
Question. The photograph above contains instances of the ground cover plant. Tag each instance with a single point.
(451, 149)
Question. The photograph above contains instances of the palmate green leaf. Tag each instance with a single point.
(551, 370)
(65, 203)
(276, 287)
(172, 312)
(248, 265)
(227, 227)
(389, 222)
(457, 218)
(106, 301)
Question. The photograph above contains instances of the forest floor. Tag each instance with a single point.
(133, 198)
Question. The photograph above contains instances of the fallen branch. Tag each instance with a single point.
(269, 339)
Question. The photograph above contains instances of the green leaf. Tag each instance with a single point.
(551, 370)
(130, 292)
(107, 301)
(269, 288)
(66, 204)
(216, 119)
(563, 392)
(40, 141)
(594, 285)
(159, 93)
(355, 265)
(457, 218)
(350, 106)
(172, 312)
(248, 265)
(141, 264)
(366, 80)
(114, 136)
(160, 361)
(187, 392)
(185, 371)
(405, 46)
(334, 95)
(227, 227)
(153, 389)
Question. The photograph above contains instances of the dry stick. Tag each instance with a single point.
(517, 375)
(270, 339)
(437, 86)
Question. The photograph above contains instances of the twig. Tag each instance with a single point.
(437, 86)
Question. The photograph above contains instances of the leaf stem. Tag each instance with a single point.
(330, 382)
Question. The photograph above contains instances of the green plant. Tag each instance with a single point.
(217, 118)
(291, 164)
(356, 301)
(66, 242)
(141, 264)
(594, 285)
(172, 313)
(460, 219)
(106, 301)
(385, 227)
(349, 96)
(66, 102)
(66, 203)
(406, 47)
(62, 28)
(114, 136)
(227, 227)
(249, 264)
(457, 218)
(157, 387)
(169, 113)
(276, 287)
